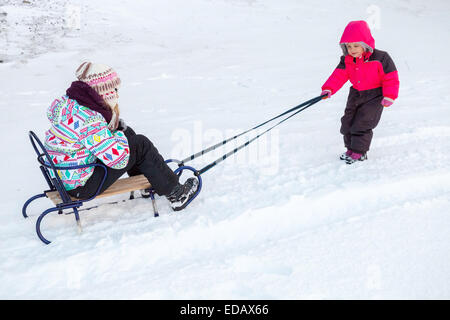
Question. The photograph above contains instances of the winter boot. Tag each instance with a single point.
(346, 154)
(356, 157)
(182, 193)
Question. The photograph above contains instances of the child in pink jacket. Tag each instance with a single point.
(375, 85)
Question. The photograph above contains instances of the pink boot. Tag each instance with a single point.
(356, 157)
(346, 154)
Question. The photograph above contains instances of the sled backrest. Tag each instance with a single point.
(46, 164)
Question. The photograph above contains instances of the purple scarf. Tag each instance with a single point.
(88, 97)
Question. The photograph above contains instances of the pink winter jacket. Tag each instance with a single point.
(374, 69)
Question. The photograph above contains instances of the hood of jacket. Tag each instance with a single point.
(357, 31)
(54, 111)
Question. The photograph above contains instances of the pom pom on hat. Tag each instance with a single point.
(103, 79)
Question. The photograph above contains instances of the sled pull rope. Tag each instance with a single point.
(301, 107)
(211, 148)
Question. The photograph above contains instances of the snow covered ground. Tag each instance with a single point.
(285, 220)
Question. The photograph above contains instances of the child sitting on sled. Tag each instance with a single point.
(85, 128)
(375, 85)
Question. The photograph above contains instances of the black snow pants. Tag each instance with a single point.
(144, 159)
(361, 116)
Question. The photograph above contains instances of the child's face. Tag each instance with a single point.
(354, 49)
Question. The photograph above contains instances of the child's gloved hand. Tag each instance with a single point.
(122, 125)
(387, 102)
(327, 92)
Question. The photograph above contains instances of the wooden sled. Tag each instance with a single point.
(63, 201)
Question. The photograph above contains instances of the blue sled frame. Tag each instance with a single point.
(55, 184)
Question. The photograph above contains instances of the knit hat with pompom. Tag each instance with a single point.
(103, 79)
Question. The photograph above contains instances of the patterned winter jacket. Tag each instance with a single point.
(374, 69)
(80, 136)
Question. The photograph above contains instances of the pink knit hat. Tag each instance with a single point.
(103, 79)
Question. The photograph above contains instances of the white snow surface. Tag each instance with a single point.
(298, 224)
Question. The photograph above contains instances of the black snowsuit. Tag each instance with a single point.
(361, 116)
